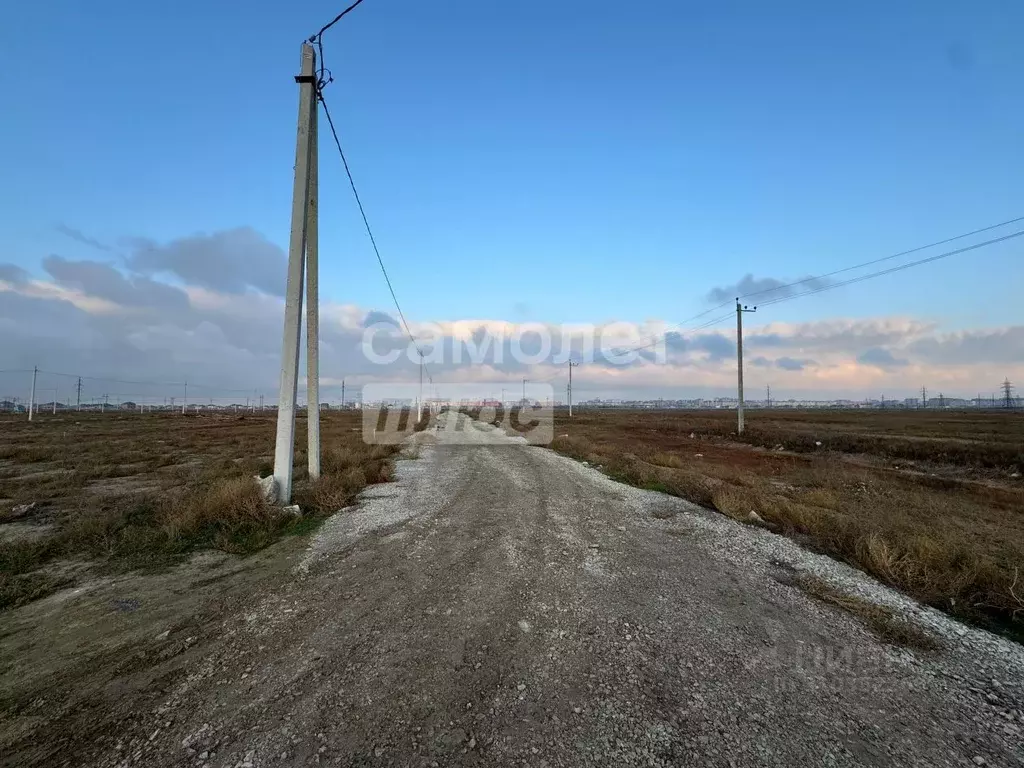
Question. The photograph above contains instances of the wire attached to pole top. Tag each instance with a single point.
(324, 76)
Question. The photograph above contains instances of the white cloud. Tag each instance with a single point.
(120, 321)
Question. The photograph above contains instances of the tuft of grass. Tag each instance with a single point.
(882, 621)
(19, 589)
(663, 459)
(334, 491)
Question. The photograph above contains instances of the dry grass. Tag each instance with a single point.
(880, 620)
(145, 490)
(981, 439)
(949, 534)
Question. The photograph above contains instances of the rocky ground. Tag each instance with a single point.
(503, 605)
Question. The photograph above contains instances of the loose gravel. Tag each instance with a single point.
(500, 604)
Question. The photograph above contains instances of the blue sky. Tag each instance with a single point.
(566, 161)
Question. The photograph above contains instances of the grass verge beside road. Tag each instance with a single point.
(946, 527)
(145, 490)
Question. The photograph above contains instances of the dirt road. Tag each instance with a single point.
(503, 605)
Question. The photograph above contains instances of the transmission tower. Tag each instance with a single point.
(1007, 393)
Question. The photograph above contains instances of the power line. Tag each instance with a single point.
(323, 80)
(657, 339)
(116, 381)
(860, 278)
(899, 268)
(324, 74)
(883, 258)
(334, 21)
(133, 383)
(366, 223)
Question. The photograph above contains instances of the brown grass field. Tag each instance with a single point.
(930, 502)
(146, 490)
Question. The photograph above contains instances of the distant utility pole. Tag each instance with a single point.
(924, 397)
(768, 387)
(343, 394)
(419, 397)
(54, 399)
(32, 398)
(184, 400)
(571, 366)
(285, 441)
(942, 400)
(524, 392)
(740, 309)
(1007, 393)
(103, 407)
(78, 401)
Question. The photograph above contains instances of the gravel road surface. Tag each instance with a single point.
(502, 605)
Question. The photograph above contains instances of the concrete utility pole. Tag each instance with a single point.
(768, 387)
(55, 400)
(78, 400)
(285, 443)
(32, 398)
(184, 400)
(524, 392)
(740, 309)
(313, 308)
(342, 394)
(571, 366)
(419, 399)
(924, 397)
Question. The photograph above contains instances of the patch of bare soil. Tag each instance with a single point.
(79, 662)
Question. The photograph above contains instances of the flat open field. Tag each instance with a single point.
(930, 502)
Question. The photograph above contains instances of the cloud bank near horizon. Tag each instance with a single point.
(208, 309)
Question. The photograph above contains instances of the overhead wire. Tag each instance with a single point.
(883, 258)
(850, 281)
(860, 278)
(323, 79)
(324, 76)
(190, 385)
(890, 270)
(369, 230)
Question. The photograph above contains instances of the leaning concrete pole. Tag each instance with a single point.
(312, 311)
(285, 445)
